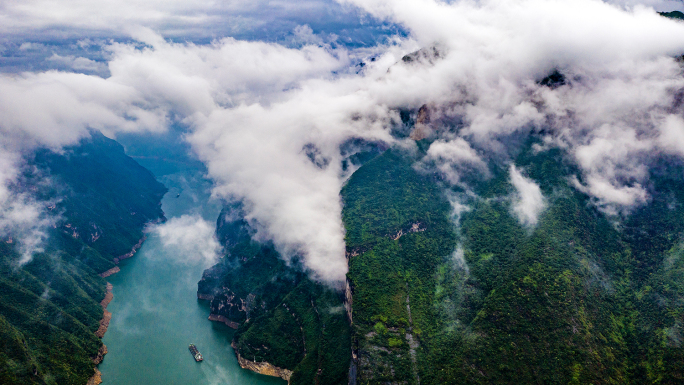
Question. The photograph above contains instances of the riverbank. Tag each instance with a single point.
(107, 316)
(96, 379)
(264, 368)
(120, 258)
(131, 253)
(224, 320)
(157, 313)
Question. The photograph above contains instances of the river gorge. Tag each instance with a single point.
(156, 313)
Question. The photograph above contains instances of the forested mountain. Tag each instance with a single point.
(445, 284)
(99, 200)
(282, 317)
(576, 299)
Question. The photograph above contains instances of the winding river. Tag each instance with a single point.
(156, 313)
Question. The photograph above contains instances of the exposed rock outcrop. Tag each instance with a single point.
(263, 367)
(422, 127)
(414, 228)
(104, 324)
(131, 253)
(206, 297)
(220, 318)
(348, 300)
(111, 271)
(107, 316)
(96, 379)
(100, 354)
(231, 306)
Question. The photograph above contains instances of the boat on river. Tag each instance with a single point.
(195, 352)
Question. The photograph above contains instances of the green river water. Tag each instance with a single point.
(156, 314)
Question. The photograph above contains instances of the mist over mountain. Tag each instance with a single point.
(435, 167)
(93, 203)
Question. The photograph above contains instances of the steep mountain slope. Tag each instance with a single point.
(575, 299)
(296, 326)
(50, 306)
(446, 285)
(398, 235)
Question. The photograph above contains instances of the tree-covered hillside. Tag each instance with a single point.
(580, 298)
(447, 285)
(49, 307)
(399, 235)
(283, 317)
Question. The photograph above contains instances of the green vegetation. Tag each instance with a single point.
(107, 196)
(473, 297)
(285, 318)
(49, 307)
(576, 300)
(399, 234)
(672, 15)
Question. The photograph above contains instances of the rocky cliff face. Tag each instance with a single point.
(224, 320)
(100, 355)
(287, 325)
(231, 306)
(106, 316)
(96, 379)
(264, 368)
(225, 305)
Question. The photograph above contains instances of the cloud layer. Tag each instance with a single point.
(22, 219)
(269, 120)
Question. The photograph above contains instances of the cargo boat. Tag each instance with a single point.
(195, 352)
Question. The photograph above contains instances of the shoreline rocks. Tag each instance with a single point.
(118, 259)
(205, 297)
(107, 316)
(111, 271)
(109, 296)
(264, 368)
(100, 354)
(131, 253)
(220, 318)
(96, 379)
(104, 324)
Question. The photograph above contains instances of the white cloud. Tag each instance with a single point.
(305, 35)
(671, 137)
(29, 46)
(189, 239)
(529, 201)
(105, 14)
(23, 221)
(253, 108)
(55, 109)
(452, 156)
(79, 64)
